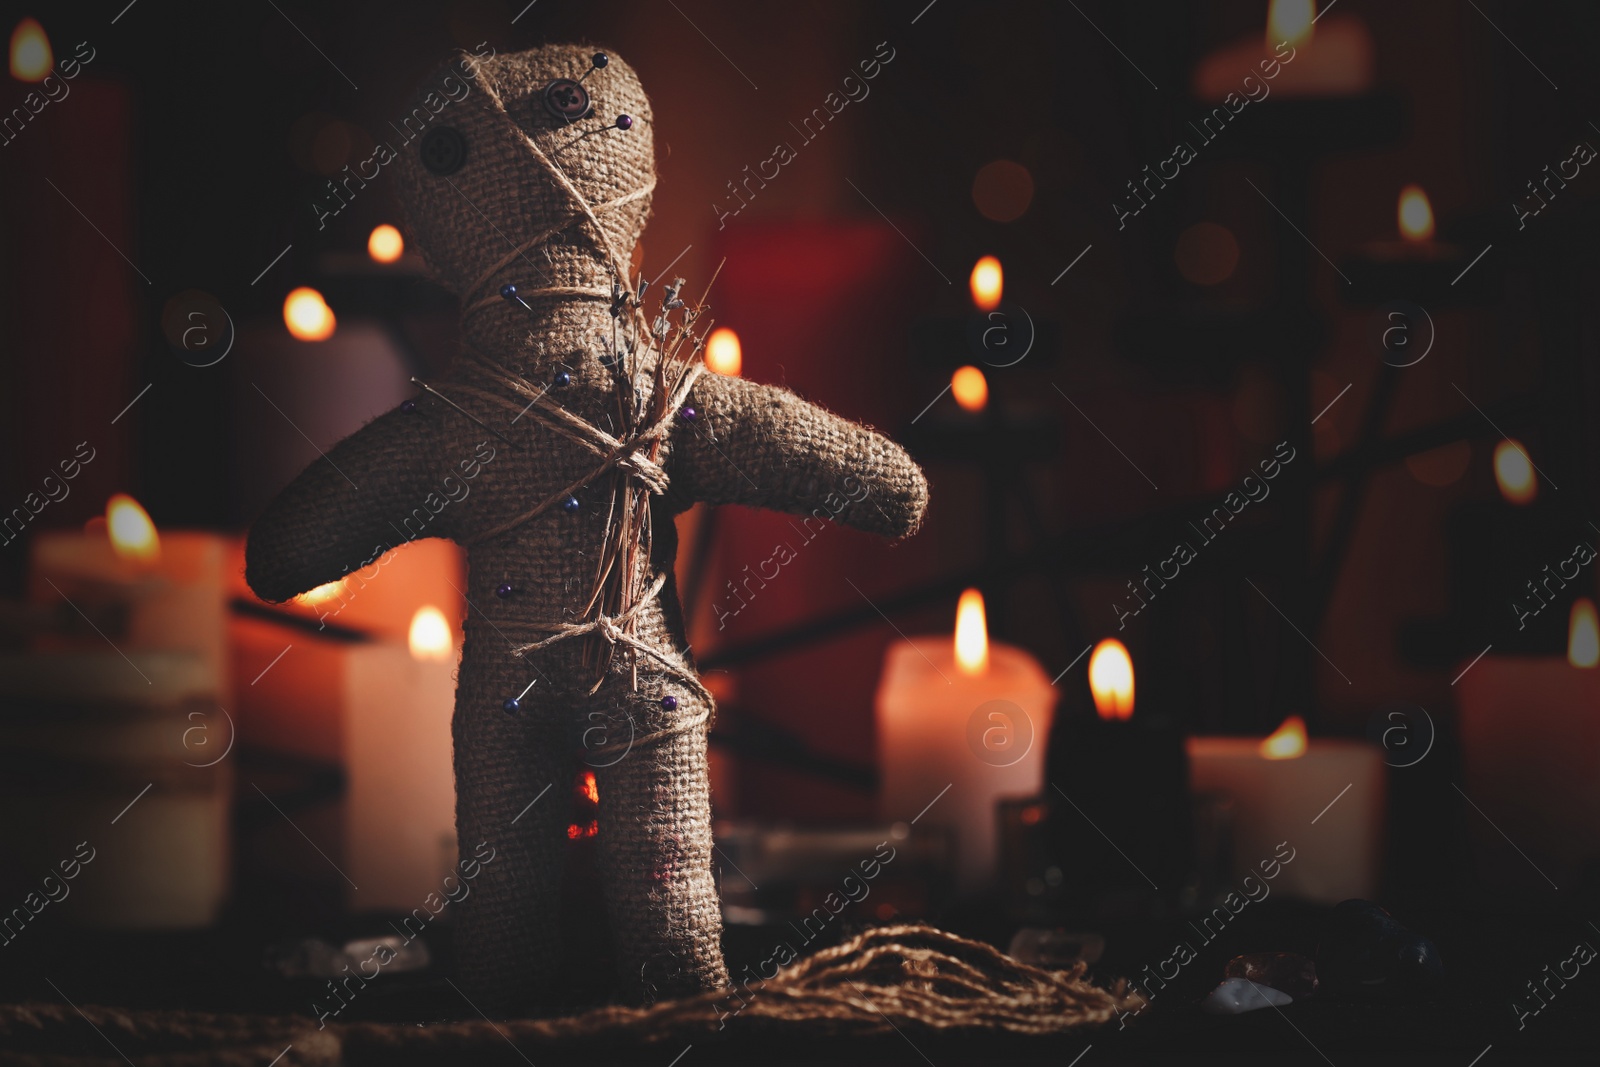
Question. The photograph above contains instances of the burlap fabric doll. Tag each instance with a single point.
(574, 425)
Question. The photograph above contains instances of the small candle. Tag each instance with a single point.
(961, 724)
(1324, 797)
(1301, 54)
(1530, 752)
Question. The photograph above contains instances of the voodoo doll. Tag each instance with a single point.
(576, 422)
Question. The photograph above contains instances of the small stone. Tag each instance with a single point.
(1287, 972)
(1235, 996)
(1365, 951)
(1055, 949)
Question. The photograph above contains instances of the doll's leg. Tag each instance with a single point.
(508, 934)
(655, 846)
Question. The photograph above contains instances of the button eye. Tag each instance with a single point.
(444, 150)
(567, 100)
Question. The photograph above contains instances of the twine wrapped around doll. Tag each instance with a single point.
(632, 456)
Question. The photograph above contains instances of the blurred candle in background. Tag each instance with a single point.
(1325, 798)
(123, 725)
(1530, 753)
(963, 721)
(1301, 54)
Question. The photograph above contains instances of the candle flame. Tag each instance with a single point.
(972, 634)
(1287, 741)
(987, 283)
(1292, 21)
(1111, 679)
(1513, 472)
(385, 245)
(589, 787)
(430, 636)
(307, 315)
(970, 388)
(31, 58)
(133, 535)
(723, 353)
(1416, 214)
(322, 593)
(1583, 635)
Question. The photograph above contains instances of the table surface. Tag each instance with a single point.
(1489, 956)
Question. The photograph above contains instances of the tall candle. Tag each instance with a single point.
(1530, 753)
(1324, 797)
(961, 724)
(400, 803)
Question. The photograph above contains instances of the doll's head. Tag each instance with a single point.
(479, 183)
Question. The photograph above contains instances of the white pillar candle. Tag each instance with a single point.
(175, 600)
(1327, 803)
(400, 801)
(980, 733)
(128, 754)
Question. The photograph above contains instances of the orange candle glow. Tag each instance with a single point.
(1513, 472)
(31, 57)
(1111, 679)
(987, 283)
(972, 634)
(970, 388)
(307, 315)
(1287, 741)
(1583, 635)
(133, 535)
(723, 353)
(1415, 214)
(385, 245)
(430, 637)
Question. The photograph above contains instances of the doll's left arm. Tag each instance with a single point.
(765, 447)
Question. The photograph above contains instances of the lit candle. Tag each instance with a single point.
(1301, 54)
(1530, 753)
(987, 283)
(961, 724)
(1415, 226)
(134, 717)
(1513, 473)
(1324, 797)
(380, 708)
(171, 585)
(1120, 793)
(400, 801)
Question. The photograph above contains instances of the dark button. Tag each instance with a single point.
(444, 150)
(567, 100)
